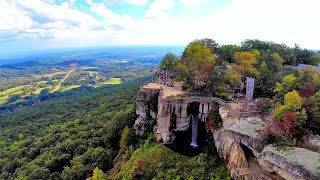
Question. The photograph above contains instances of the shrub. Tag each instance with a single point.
(264, 105)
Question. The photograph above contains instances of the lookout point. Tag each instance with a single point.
(185, 121)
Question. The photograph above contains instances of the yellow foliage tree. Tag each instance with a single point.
(98, 174)
(124, 136)
(245, 64)
(293, 103)
(199, 60)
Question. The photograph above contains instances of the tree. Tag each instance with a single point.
(169, 62)
(199, 60)
(244, 65)
(302, 56)
(98, 174)
(289, 123)
(315, 59)
(226, 53)
(126, 139)
(218, 83)
(293, 103)
(314, 121)
(265, 83)
(251, 44)
(209, 43)
(289, 83)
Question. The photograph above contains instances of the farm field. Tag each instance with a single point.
(63, 79)
(112, 81)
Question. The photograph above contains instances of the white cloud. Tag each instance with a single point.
(71, 2)
(12, 18)
(192, 3)
(21, 19)
(133, 2)
(286, 21)
(158, 8)
(111, 19)
(90, 2)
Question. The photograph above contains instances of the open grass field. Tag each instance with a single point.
(112, 81)
(15, 90)
(69, 88)
(56, 84)
(42, 82)
(3, 99)
(4, 95)
(38, 91)
(51, 75)
(91, 73)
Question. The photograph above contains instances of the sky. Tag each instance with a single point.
(29, 25)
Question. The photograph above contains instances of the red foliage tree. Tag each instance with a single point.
(307, 90)
(286, 127)
(289, 120)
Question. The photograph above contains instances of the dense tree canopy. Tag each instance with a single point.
(169, 62)
(199, 60)
(68, 136)
(244, 65)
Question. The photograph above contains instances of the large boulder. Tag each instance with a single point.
(292, 162)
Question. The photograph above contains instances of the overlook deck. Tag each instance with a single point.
(166, 91)
(179, 94)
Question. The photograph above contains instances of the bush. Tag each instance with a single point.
(186, 86)
(264, 105)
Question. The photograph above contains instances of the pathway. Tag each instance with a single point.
(57, 87)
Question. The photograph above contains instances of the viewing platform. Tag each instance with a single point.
(165, 90)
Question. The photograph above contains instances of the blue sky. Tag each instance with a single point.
(29, 25)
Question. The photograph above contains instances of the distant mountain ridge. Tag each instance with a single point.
(155, 53)
(10, 67)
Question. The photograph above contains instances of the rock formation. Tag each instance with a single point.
(238, 141)
(172, 110)
(146, 109)
(248, 156)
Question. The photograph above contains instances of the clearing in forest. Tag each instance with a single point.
(112, 81)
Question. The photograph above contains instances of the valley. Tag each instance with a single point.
(184, 117)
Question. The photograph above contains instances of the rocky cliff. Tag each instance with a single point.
(248, 156)
(238, 141)
(170, 111)
(146, 108)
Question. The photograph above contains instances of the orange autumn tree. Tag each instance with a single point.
(244, 65)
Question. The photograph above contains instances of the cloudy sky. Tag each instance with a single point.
(27, 25)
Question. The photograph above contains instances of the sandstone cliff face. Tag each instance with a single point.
(238, 142)
(171, 112)
(238, 136)
(145, 109)
(293, 163)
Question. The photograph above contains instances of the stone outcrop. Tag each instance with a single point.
(238, 141)
(266, 162)
(292, 163)
(145, 109)
(171, 113)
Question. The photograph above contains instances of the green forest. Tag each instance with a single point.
(67, 136)
(84, 133)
